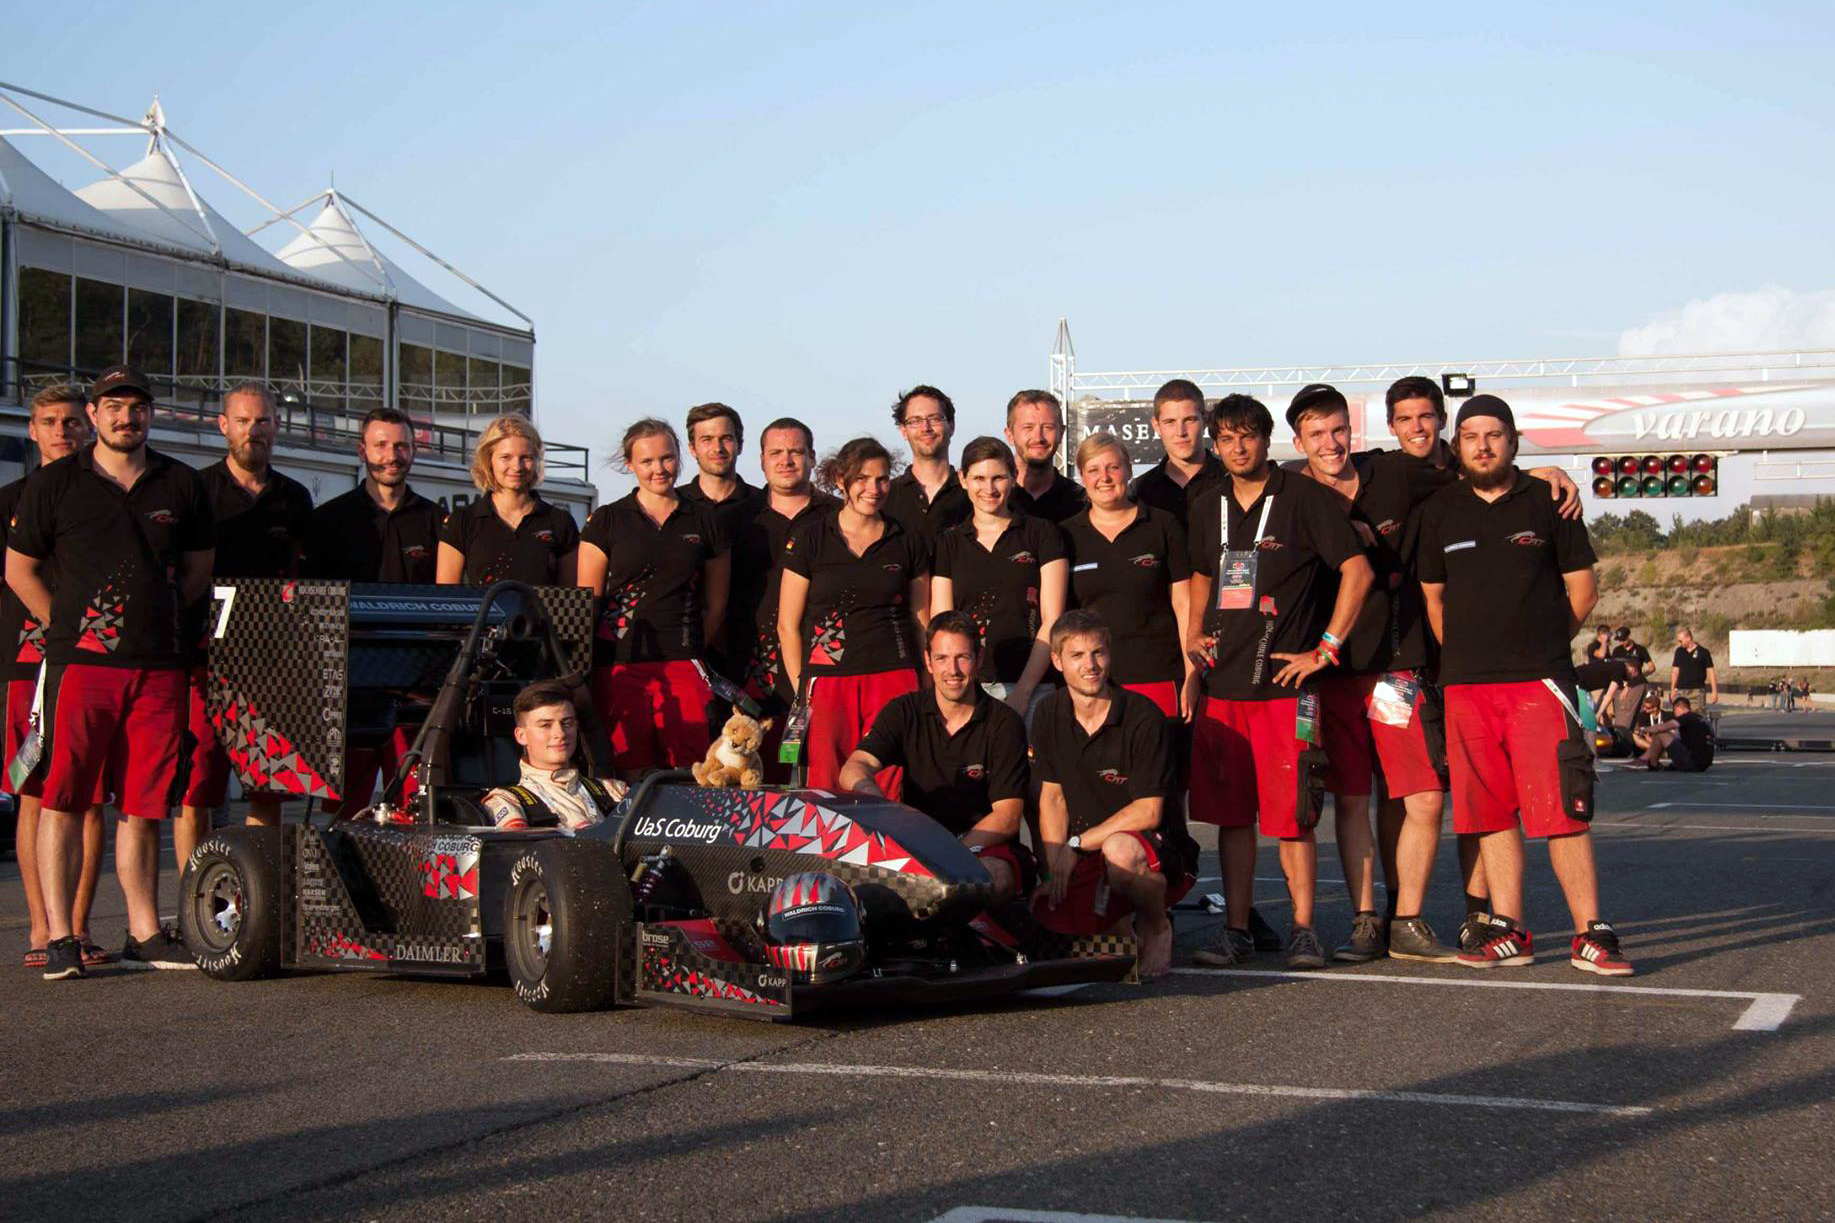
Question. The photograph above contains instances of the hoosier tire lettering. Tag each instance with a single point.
(229, 903)
(567, 925)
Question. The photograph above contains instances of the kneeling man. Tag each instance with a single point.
(1113, 844)
(963, 752)
(550, 787)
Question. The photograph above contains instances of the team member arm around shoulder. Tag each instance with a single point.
(659, 567)
(508, 533)
(962, 752)
(1113, 844)
(1009, 571)
(853, 583)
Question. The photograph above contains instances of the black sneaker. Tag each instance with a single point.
(163, 950)
(1474, 930)
(63, 958)
(1366, 942)
(1303, 949)
(1230, 947)
(1266, 937)
(1411, 938)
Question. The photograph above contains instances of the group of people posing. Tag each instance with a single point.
(1106, 660)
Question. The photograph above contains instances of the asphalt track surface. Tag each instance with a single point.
(1384, 1091)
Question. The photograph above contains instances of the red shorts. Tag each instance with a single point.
(655, 712)
(1163, 692)
(1403, 755)
(841, 711)
(1344, 731)
(361, 765)
(114, 728)
(19, 694)
(1500, 749)
(1245, 763)
(1092, 904)
(207, 783)
(1018, 860)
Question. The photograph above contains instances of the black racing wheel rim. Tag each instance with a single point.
(218, 905)
(531, 933)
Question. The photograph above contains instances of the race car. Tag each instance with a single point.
(763, 903)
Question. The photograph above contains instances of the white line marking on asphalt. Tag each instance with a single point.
(1742, 806)
(1004, 1214)
(1825, 832)
(1034, 1079)
(1766, 1013)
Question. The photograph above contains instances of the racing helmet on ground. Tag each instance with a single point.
(812, 928)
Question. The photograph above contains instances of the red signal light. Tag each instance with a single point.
(1602, 466)
(1703, 463)
(1677, 464)
(1628, 466)
(1652, 465)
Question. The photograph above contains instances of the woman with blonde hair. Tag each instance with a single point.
(508, 533)
(661, 565)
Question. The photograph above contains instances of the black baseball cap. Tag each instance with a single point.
(1312, 397)
(118, 378)
(1486, 405)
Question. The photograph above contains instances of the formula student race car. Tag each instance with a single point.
(764, 903)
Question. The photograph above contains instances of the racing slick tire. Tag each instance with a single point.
(229, 903)
(567, 919)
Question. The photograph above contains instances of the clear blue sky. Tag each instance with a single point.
(802, 209)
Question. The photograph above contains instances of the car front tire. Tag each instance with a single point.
(567, 916)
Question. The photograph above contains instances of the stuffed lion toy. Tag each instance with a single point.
(732, 759)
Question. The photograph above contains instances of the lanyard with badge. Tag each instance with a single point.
(1237, 568)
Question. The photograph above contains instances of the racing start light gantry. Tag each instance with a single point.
(1631, 476)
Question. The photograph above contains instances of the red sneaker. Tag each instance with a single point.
(1597, 951)
(1502, 946)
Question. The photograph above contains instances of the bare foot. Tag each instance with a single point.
(1154, 959)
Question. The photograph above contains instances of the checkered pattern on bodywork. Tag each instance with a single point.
(277, 685)
(570, 611)
(383, 896)
(671, 970)
(1040, 943)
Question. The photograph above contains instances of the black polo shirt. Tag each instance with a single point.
(1390, 633)
(927, 516)
(1634, 653)
(22, 637)
(957, 778)
(1128, 582)
(1297, 555)
(1157, 488)
(752, 654)
(1506, 609)
(1691, 666)
(258, 535)
(1062, 499)
(653, 607)
(730, 511)
(351, 538)
(117, 555)
(999, 588)
(857, 620)
(496, 552)
(1697, 738)
(1129, 757)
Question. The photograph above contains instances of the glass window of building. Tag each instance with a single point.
(485, 395)
(149, 338)
(449, 382)
(196, 357)
(44, 325)
(365, 372)
(517, 393)
(287, 355)
(245, 345)
(416, 378)
(99, 307)
(329, 368)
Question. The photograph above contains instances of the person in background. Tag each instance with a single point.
(1190, 466)
(660, 566)
(1631, 699)
(1009, 572)
(1598, 650)
(716, 437)
(854, 592)
(1692, 750)
(509, 534)
(262, 517)
(57, 426)
(1651, 732)
(928, 498)
(1035, 428)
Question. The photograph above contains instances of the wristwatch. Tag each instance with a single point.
(1076, 841)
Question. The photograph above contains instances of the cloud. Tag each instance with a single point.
(1763, 320)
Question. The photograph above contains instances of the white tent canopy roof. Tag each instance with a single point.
(334, 249)
(35, 196)
(172, 216)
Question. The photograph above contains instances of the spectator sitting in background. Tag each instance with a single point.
(1651, 732)
(1689, 739)
(1631, 699)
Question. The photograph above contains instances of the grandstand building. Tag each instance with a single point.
(139, 266)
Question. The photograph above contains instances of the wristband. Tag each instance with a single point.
(1329, 639)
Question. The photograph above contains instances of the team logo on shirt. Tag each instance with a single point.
(689, 537)
(277, 531)
(414, 552)
(1387, 526)
(1268, 543)
(546, 537)
(892, 567)
(1022, 558)
(1527, 539)
(974, 772)
(1145, 560)
(163, 518)
(1114, 777)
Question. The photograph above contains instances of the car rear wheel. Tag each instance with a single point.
(229, 903)
(566, 920)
